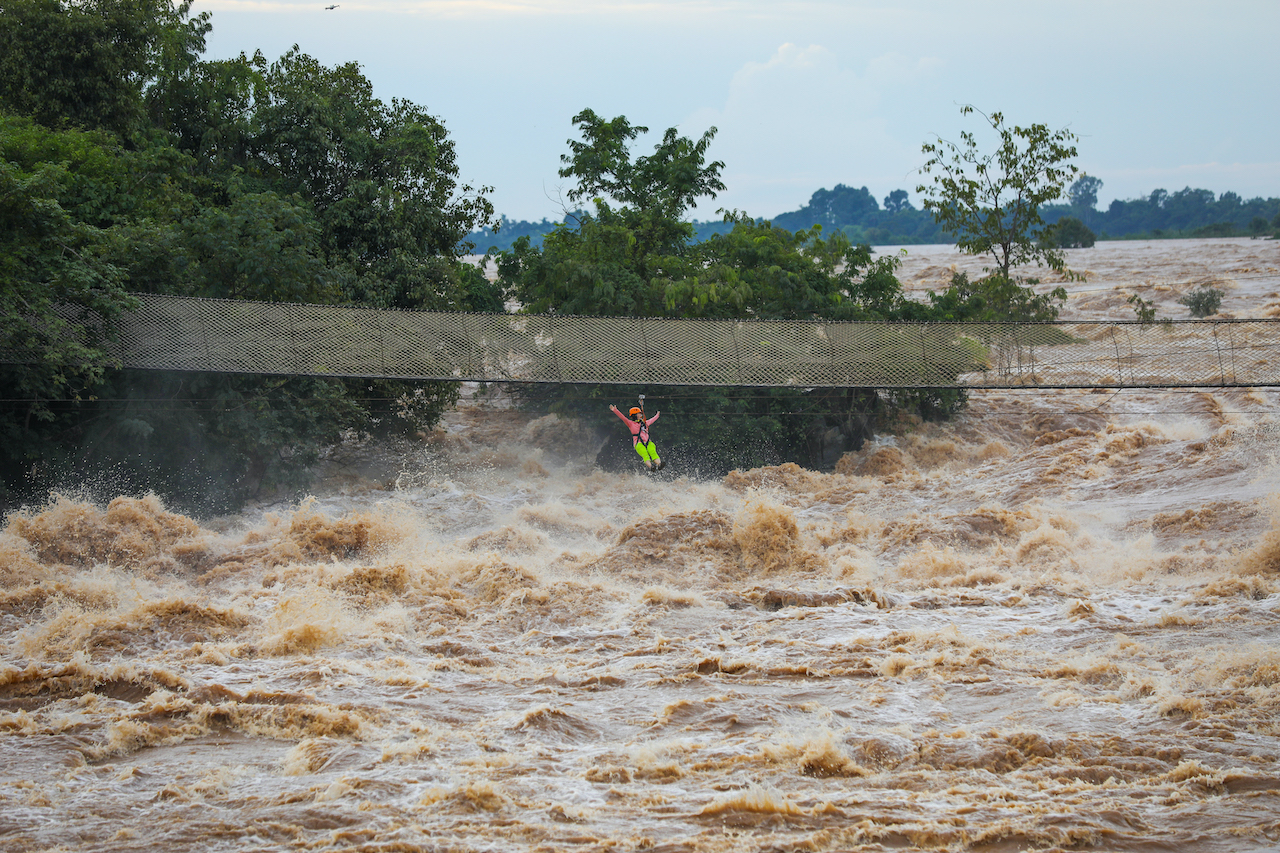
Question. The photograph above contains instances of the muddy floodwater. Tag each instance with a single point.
(1052, 623)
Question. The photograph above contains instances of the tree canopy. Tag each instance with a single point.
(128, 163)
(90, 64)
(633, 254)
(992, 200)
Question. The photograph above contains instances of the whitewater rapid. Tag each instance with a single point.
(1049, 624)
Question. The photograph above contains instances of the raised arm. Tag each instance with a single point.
(618, 412)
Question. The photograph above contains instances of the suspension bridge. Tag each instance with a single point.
(228, 336)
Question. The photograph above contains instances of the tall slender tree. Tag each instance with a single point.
(991, 199)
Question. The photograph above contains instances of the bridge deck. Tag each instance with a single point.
(168, 332)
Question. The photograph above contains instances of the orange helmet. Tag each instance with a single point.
(635, 410)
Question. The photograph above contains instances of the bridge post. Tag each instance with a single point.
(1217, 345)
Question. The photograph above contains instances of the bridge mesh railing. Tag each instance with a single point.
(180, 333)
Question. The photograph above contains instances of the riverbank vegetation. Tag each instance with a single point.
(129, 163)
(632, 251)
(855, 213)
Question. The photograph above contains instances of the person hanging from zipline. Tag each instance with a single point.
(640, 435)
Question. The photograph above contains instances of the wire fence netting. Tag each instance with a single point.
(182, 333)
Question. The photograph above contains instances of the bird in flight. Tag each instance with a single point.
(331, 8)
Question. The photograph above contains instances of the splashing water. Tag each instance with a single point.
(1049, 624)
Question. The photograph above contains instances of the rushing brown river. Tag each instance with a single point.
(1052, 623)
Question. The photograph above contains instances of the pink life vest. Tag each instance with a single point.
(639, 429)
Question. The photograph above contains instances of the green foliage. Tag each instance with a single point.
(996, 299)
(585, 270)
(897, 202)
(1069, 233)
(633, 255)
(62, 281)
(1143, 308)
(382, 179)
(662, 185)
(1204, 301)
(1084, 193)
(1217, 229)
(1185, 213)
(992, 201)
(855, 212)
(130, 164)
(758, 270)
(87, 64)
(479, 293)
(258, 246)
(834, 207)
(630, 256)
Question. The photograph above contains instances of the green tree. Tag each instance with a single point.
(383, 180)
(209, 108)
(1069, 233)
(834, 208)
(1083, 196)
(280, 182)
(991, 200)
(995, 299)
(650, 194)
(1083, 193)
(1204, 301)
(1143, 309)
(259, 246)
(632, 255)
(62, 281)
(666, 183)
(896, 201)
(87, 64)
(770, 272)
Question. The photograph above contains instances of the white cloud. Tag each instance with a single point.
(800, 120)
(805, 93)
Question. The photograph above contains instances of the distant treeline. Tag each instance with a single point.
(857, 214)
(1185, 213)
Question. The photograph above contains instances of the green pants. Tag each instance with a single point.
(647, 452)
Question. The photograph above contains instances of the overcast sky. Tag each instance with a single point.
(807, 95)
